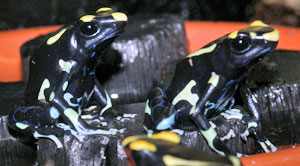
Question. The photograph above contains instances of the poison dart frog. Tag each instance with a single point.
(62, 81)
(164, 148)
(205, 83)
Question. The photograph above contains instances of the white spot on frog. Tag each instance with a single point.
(214, 79)
(52, 137)
(68, 97)
(54, 113)
(229, 135)
(108, 104)
(22, 125)
(210, 135)
(45, 85)
(65, 85)
(166, 123)
(147, 108)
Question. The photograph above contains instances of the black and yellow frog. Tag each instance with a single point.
(164, 148)
(62, 80)
(204, 84)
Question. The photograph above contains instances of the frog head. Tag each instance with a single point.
(100, 29)
(80, 39)
(251, 44)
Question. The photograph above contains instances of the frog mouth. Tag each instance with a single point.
(112, 37)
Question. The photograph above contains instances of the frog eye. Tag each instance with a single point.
(240, 43)
(88, 28)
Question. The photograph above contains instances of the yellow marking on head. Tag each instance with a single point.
(119, 16)
(168, 136)
(130, 139)
(176, 161)
(203, 51)
(54, 38)
(233, 35)
(214, 79)
(142, 145)
(252, 34)
(104, 9)
(87, 18)
(258, 23)
(272, 36)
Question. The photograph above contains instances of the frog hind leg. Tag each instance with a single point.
(159, 113)
(36, 121)
(253, 121)
(253, 126)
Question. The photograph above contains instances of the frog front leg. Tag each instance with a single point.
(199, 117)
(68, 113)
(103, 101)
(254, 121)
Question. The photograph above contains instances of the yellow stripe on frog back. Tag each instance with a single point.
(54, 38)
(203, 51)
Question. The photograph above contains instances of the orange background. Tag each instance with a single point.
(198, 34)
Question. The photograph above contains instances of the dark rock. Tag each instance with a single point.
(276, 83)
(131, 67)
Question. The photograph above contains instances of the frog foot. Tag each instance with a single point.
(37, 135)
(73, 132)
(267, 146)
(253, 127)
(232, 114)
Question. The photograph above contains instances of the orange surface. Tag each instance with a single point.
(287, 157)
(10, 43)
(198, 34)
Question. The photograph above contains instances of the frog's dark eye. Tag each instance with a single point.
(240, 43)
(88, 28)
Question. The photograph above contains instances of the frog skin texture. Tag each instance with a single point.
(164, 148)
(62, 81)
(204, 84)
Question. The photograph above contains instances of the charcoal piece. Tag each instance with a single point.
(76, 153)
(276, 84)
(90, 152)
(10, 96)
(95, 149)
(12, 151)
(132, 65)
